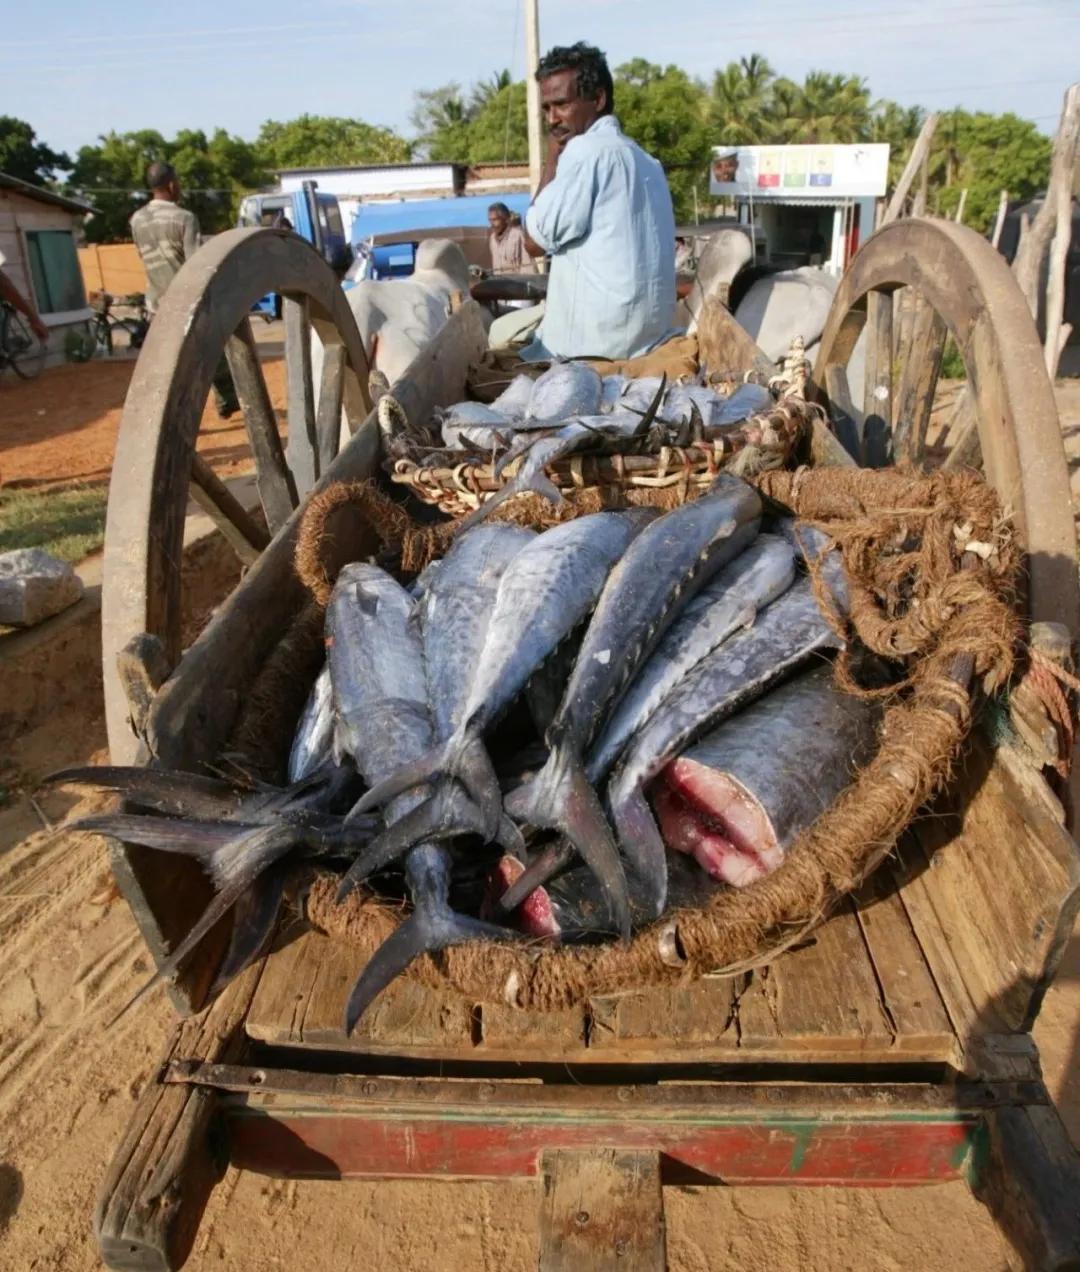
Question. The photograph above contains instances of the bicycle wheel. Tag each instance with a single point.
(21, 347)
(102, 330)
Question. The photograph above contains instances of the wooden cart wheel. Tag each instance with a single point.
(913, 285)
(204, 316)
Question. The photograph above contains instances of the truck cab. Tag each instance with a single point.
(314, 216)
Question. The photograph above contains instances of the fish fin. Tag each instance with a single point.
(203, 840)
(650, 413)
(509, 838)
(219, 906)
(538, 483)
(467, 760)
(562, 799)
(424, 768)
(254, 916)
(554, 858)
(425, 931)
(448, 813)
(642, 844)
(164, 791)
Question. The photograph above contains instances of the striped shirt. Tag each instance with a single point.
(166, 235)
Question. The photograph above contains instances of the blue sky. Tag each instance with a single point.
(85, 69)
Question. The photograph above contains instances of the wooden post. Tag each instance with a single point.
(1059, 200)
(1027, 265)
(532, 94)
(999, 220)
(959, 218)
(914, 163)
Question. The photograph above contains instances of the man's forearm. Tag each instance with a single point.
(15, 298)
(551, 163)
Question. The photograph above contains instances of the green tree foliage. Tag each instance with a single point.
(739, 109)
(442, 118)
(666, 113)
(499, 131)
(213, 173)
(323, 141)
(985, 154)
(23, 156)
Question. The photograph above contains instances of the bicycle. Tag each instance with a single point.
(105, 321)
(20, 349)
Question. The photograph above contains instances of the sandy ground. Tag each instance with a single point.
(72, 957)
(63, 425)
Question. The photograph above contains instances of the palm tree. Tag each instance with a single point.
(485, 90)
(739, 109)
(827, 108)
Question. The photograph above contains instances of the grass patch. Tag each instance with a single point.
(68, 521)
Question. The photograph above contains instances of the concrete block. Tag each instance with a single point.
(34, 586)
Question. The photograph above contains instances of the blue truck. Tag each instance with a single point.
(314, 216)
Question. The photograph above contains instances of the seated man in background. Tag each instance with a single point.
(507, 243)
(603, 214)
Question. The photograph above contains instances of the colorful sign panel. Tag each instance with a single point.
(803, 172)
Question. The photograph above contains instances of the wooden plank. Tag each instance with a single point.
(826, 450)
(302, 995)
(242, 532)
(911, 997)
(821, 995)
(847, 419)
(877, 385)
(677, 1017)
(302, 451)
(602, 1210)
(1028, 1176)
(549, 1032)
(920, 356)
(277, 490)
(725, 346)
(1004, 882)
(331, 391)
(162, 1173)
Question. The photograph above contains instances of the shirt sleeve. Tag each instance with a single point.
(560, 214)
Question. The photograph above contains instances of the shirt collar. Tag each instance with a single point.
(606, 123)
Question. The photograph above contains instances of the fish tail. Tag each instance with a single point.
(539, 483)
(642, 844)
(254, 916)
(189, 836)
(554, 858)
(425, 767)
(223, 901)
(561, 797)
(467, 760)
(423, 932)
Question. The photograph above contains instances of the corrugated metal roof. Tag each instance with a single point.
(42, 195)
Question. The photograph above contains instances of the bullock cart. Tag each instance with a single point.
(893, 1048)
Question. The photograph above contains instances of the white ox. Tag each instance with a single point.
(397, 319)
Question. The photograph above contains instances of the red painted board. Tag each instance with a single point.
(856, 1152)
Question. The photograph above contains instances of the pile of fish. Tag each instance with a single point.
(549, 736)
(571, 409)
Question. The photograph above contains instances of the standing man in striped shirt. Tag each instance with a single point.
(167, 235)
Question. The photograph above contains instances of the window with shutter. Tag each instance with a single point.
(54, 265)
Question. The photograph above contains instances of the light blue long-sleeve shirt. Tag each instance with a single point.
(606, 220)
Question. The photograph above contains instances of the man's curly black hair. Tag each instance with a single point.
(591, 66)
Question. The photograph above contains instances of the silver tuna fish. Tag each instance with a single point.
(787, 634)
(566, 389)
(548, 588)
(380, 691)
(738, 798)
(669, 562)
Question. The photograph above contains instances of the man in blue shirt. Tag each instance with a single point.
(603, 214)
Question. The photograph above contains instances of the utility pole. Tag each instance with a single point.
(532, 92)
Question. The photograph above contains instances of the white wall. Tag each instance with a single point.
(377, 182)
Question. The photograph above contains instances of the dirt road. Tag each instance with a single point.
(72, 957)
